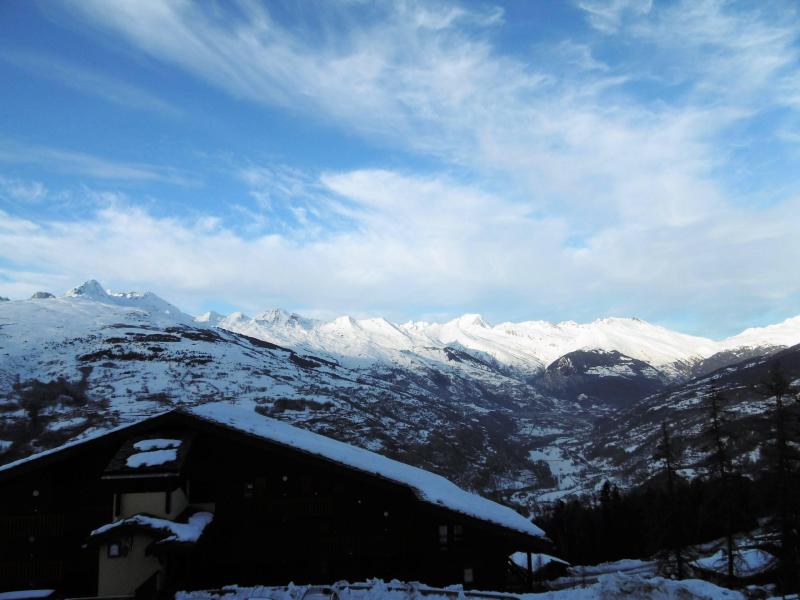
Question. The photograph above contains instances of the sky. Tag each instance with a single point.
(556, 160)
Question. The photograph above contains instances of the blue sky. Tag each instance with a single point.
(528, 160)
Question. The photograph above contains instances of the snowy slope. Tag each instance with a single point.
(135, 354)
(527, 347)
(783, 334)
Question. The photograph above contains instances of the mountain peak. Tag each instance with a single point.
(472, 320)
(210, 317)
(145, 301)
(273, 316)
(90, 289)
(345, 321)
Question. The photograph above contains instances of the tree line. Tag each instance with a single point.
(669, 513)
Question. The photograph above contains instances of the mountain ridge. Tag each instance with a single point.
(459, 398)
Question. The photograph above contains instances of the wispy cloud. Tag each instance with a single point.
(80, 163)
(24, 191)
(89, 81)
(428, 78)
(608, 15)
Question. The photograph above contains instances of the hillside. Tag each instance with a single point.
(487, 406)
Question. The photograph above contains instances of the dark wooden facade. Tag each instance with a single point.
(280, 515)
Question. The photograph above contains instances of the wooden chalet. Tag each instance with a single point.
(218, 495)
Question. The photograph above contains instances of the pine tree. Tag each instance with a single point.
(666, 455)
(721, 465)
(784, 459)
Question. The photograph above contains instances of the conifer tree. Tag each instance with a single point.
(718, 439)
(784, 460)
(666, 454)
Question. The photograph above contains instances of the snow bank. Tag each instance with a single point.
(746, 563)
(175, 532)
(617, 566)
(371, 590)
(610, 587)
(427, 486)
(618, 586)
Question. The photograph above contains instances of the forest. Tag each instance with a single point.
(669, 514)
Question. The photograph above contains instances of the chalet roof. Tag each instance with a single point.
(428, 487)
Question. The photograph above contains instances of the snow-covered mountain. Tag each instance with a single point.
(528, 347)
(525, 411)
(95, 359)
(147, 301)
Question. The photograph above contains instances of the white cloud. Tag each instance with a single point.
(81, 163)
(427, 243)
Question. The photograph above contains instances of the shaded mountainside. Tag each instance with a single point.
(627, 442)
(601, 378)
(464, 399)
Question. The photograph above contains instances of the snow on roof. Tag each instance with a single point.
(152, 458)
(746, 563)
(175, 532)
(156, 444)
(23, 594)
(428, 487)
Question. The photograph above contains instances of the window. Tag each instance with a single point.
(117, 549)
(443, 536)
(458, 532)
(249, 490)
(469, 575)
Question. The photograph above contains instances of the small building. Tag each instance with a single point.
(215, 495)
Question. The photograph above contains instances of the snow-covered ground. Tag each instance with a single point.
(623, 586)
(746, 563)
(609, 587)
